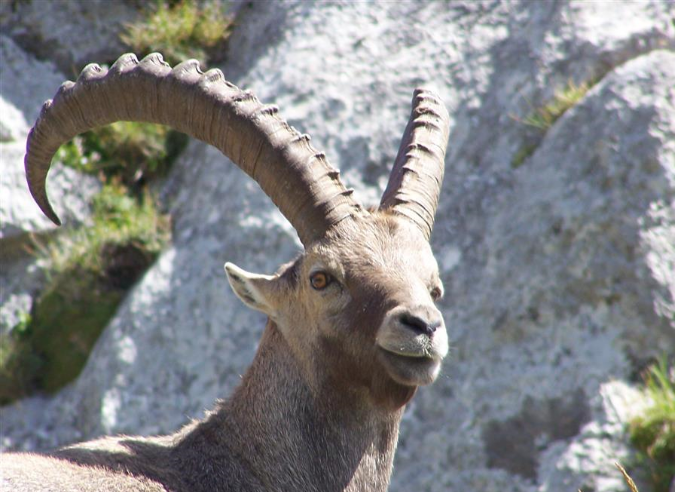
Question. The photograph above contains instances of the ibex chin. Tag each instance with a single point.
(352, 327)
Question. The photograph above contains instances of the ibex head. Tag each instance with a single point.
(357, 308)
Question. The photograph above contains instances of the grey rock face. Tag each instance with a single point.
(559, 273)
(25, 84)
(70, 33)
(18, 213)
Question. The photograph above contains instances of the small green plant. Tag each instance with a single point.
(542, 118)
(180, 30)
(653, 432)
(118, 218)
(17, 362)
(523, 153)
(135, 151)
(90, 270)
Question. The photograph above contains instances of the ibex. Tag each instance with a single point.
(352, 328)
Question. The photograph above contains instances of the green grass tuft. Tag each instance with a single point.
(119, 219)
(523, 153)
(181, 30)
(137, 152)
(17, 362)
(543, 118)
(653, 432)
(90, 270)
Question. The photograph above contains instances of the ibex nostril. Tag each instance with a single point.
(418, 324)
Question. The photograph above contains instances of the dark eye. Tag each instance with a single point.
(436, 293)
(320, 280)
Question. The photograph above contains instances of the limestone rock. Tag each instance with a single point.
(26, 84)
(70, 33)
(558, 272)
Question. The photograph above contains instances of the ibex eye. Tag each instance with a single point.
(320, 280)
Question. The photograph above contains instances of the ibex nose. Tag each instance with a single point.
(420, 324)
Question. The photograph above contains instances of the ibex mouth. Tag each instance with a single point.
(412, 344)
(410, 370)
(403, 352)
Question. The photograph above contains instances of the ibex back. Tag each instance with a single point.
(353, 329)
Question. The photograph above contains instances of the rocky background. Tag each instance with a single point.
(559, 266)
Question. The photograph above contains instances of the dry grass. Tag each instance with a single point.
(629, 481)
(627, 478)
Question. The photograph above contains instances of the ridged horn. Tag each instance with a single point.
(299, 180)
(415, 181)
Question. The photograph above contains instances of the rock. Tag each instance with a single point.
(69, 33)
(597, 447)
(18, 213)
(558, 273)
(26, 84)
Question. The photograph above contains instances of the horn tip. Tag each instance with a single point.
(54, 218)
(422, 90)
(46, 207)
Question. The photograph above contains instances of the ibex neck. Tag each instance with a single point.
(301, 438)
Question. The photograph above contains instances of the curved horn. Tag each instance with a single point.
(415, 181)
(299, 180)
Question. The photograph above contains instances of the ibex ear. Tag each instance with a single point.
(253, 289)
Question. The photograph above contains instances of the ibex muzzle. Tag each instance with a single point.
(353, 328)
